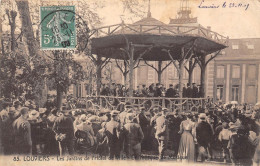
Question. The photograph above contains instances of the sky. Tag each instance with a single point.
(235, 22)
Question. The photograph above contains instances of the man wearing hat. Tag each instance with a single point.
(174, 127)
(158, 91)
(8, 136)
(162, 132)
(144, 123)
(241, 148)
(204, 134)
(63, 125)
(171, 92)
(195, 90)
(112, 131)
(133, 136)
(22, 133)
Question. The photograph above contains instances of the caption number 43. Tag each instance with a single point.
(16, 158)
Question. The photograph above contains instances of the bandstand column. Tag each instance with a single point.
(131, 68)
(181, 67)
(99, 73)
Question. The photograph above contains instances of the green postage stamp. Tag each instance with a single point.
(57, 28)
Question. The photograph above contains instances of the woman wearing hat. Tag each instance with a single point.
(76, 114)
(187, 144)
(52, 146)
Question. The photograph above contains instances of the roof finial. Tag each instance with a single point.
(149, 14)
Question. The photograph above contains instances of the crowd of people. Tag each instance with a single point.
(154, 90)
(133, 131)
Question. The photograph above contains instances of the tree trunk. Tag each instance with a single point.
(190, 77)
(181, 67)
(59, 97)
(27, 29)
(159, 77)
(125, 77)
(12, 15)
(190, 71)
(131, 68)
(202, 81)
(90, 83)
(203, 76)
(159, 72)
(99, 75)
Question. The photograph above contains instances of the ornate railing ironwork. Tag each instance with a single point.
(121, 103)
(160, 30)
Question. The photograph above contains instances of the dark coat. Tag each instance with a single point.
(22, 132)
(204, 133)
(158, 92)
(189, 92)
(133, 133)
(195, 92)
(112, 131)
(171, 93)
(64, 124)
(184, 92)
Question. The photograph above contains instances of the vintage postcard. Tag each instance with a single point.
(130, 82)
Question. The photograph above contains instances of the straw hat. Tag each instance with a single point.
(202, 116)
(248, 113)
(233, 126)
(130, 116)
(93, 118)
(33, 115)
(114, 112)
(42, 110)
(83, 118)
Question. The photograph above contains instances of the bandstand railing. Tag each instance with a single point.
(121, 103)
(160, 30)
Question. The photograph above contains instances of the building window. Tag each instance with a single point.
(235, 46)
(235, 71)
(78, 90)
(251, 73)
(220, 71)
(220, 91)
(250, 46)
(235, 92)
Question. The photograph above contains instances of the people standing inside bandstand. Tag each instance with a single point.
(195, 91)
(189, 91)
(151, 90)
(158, 90)
(184, 91)
(162, 133)
(187, 145)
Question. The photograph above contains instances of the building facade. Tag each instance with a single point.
(232, 76)
(237, 72)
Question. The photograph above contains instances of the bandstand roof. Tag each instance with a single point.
(108, 41)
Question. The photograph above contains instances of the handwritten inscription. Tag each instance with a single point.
(204, 4)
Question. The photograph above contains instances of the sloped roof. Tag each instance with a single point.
(148, 21)
(152, 32)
